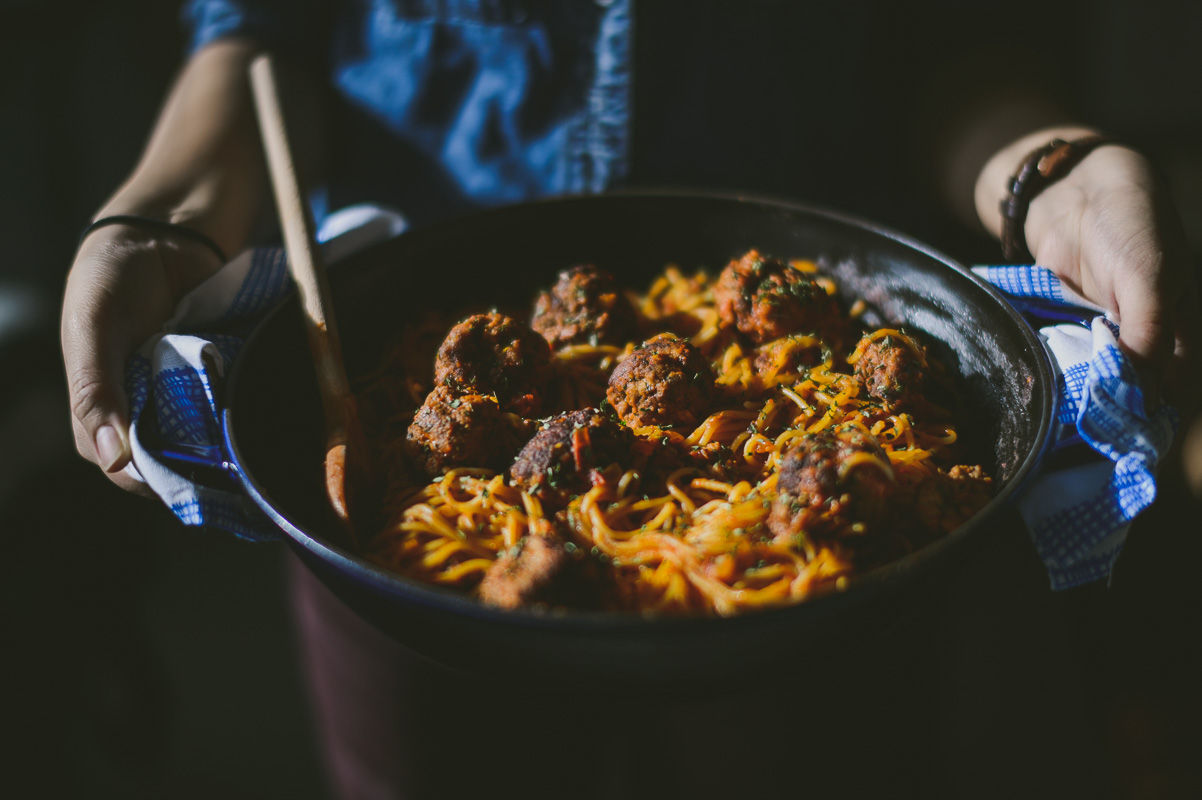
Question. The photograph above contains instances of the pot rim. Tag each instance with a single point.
(859, 588)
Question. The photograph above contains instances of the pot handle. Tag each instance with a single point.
(215, 485)
(1038, 313)
(205, 465)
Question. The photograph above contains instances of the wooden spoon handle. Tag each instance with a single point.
(304, 257)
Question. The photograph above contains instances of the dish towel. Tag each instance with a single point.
(1078, 517)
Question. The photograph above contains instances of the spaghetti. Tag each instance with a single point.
(793, 478)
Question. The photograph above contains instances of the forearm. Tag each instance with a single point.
(203, 165)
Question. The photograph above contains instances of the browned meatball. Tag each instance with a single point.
(494, 354)
(766, 299)
(555, 464)
(658, 459)
(664, 382)
(892, 371)
(585, 305)
(460, 430)
(527, 576)
(945, 500)
(820, 486)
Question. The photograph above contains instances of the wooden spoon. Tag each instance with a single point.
(347, 469)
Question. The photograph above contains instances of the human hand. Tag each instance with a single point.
(123, 285)
(1109, 230)
(203, 167)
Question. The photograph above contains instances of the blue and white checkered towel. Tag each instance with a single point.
(1078, 517)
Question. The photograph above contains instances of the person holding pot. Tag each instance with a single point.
(441, 108)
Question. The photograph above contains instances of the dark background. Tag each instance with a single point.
(143, 659)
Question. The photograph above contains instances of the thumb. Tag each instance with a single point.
(94, 351)
(1146, 331)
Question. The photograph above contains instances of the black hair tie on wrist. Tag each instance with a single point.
(1040, 169)
(156, 224)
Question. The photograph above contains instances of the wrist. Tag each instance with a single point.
(993, 183)
(175, 257)
(156, 226)
(160, 213)
(192, 202)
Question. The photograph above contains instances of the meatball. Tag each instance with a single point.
(766, 299)
(892, 369)
(555, 464)
(585, 305)
(664, 382)
(452, 430)
(946, 500)
(525, 577)
(822, 483)
(494, 354)
(659, 459)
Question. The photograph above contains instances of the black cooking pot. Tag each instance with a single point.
(273, 420)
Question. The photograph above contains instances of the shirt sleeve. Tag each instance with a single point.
(298, 27)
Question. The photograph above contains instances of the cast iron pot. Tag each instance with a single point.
(273, 421)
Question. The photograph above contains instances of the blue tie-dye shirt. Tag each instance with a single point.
(450, 104)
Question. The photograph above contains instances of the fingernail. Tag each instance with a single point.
(110, 447)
